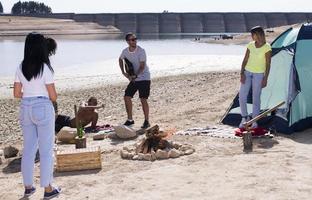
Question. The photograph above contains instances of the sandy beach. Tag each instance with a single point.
(202, 100)
(278, 168)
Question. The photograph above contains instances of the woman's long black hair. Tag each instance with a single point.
(36, 54)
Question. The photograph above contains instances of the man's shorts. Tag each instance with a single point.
(144, 88)
(62, 121)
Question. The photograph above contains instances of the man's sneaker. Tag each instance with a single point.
(254, 125)
(146, 124)
(129, 122)
(49, 195)
(30, 191)
(244, 120)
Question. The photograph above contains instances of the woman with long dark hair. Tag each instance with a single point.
(34, 84)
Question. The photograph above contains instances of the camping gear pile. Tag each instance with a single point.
(289, 81)
(156, 146)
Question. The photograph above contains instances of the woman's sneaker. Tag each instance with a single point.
(254, 125)
(30, 191)
(49, 195)
(244, 120)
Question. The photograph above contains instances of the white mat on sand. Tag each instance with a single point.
(218, 131)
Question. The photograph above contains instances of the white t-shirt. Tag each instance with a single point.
(135, 58)
(35, 87)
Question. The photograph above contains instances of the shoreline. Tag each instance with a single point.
(245, 38)
(160, 66)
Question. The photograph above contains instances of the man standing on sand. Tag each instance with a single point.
(141, 81)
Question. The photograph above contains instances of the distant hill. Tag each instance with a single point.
(20, 26)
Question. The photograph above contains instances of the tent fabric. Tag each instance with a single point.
(290, 80)
(285, 39)
(305, 33)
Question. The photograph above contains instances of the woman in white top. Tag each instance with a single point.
(34, 84)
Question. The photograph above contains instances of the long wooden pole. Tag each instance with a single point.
(76, 117)
(247, 124)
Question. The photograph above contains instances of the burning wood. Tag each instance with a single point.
(153, 141)
(156, 146)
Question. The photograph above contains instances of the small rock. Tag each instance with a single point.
(135, 157)
(160, 154)
(176, 145)
(189, 152)
(173, 153)
(153, 155)
(140, 156)
(122, 153)
(130, 155)
(1, 152)
(184, 147)
(147, 157)
(10, 152)
(126, 149)
(126, 155)
(99, 136)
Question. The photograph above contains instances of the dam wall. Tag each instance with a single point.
(170, 23)
(164, 23)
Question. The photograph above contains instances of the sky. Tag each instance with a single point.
(115, 6)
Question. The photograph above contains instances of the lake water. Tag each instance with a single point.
(91, 55)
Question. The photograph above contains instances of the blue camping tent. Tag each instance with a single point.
(290, 80)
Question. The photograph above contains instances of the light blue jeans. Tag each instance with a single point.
(37, 119)
(253, 80)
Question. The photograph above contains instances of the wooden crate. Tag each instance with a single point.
(78, 159)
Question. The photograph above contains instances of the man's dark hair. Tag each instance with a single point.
(128, 35)
(35, 56)
(92, 100)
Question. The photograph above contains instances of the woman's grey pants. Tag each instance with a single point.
(254, 80)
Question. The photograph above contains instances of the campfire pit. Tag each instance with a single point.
(156, 146)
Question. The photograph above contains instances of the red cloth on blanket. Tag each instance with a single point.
(255, 132)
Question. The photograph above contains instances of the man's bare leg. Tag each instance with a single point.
(128, 104)
(145, 108)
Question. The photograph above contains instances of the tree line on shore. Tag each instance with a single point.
(28, 7)
(1, 8)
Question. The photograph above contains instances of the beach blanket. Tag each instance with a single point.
(212, 131)
(221, 131)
